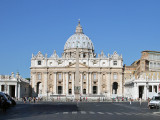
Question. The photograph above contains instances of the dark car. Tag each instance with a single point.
(4, 98)
(10, 98)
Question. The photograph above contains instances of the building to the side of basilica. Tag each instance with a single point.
(54, 76)
(142, 78)
(15, 86)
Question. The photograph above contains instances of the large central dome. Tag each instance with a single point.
(79, 40)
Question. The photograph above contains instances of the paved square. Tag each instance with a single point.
(80, 111)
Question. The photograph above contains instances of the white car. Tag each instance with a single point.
(155, 102)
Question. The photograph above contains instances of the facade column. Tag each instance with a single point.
(153, 89)
(120, 82)
(16, 91)
(8, 90)
(55, 83)
(109, 84)
(99, 83)
(81, 84)
(87, 83)
(0, 87)
(19, 90)
(90, 83)
(73, 83)
(33, 83)
(63, 83)
(157, 88)
(45, 84)
(135, 91)
(145, 92)
(66, 83)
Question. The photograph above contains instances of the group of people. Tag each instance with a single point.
(120, 99)
(31, 99)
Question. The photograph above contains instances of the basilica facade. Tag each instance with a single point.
(99, 76)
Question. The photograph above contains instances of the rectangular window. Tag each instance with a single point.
(94, 76)
(114, 62)
(39, 62)
(59, 76)
(70, 77)
(115, 76)
(70, 91)
(84, 77)
(39, 76)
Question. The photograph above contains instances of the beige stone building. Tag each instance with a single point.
(98, 76)
(142, 78)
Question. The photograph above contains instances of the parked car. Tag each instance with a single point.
(10, 98)
(4, 97)
(155, 102)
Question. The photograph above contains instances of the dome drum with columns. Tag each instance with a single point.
(55, 76)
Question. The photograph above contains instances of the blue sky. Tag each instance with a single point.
(29, 26)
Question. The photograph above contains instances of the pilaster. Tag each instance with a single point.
(55, 82)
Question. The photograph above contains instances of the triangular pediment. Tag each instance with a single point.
(73, 65)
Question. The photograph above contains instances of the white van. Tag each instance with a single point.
(155, 102)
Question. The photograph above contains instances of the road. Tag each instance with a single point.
(80, 111)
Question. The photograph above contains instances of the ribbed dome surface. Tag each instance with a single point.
(79, 40)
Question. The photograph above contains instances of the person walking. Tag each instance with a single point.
(24, 99)
(140, 101)
(130, 101)
(34, 99)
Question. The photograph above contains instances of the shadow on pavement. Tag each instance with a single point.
(29, 110)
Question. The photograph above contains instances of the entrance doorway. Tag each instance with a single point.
(39, 88)
(141, 90)
(115, 87)
(59, 89)
(12, 90)
(94, 89)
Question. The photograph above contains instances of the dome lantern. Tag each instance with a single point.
(79, 29)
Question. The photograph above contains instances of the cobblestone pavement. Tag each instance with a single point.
(80, 111)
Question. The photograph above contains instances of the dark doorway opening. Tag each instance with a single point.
(12, 90)
(84, 91)
(38, 88)
(59, 89)
(141, 90)
(94, 89)
(115, 87)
